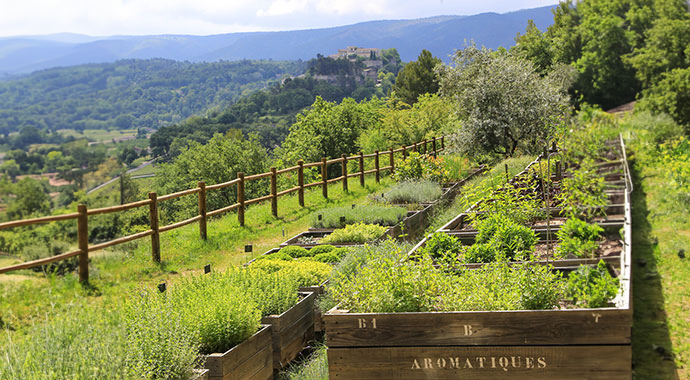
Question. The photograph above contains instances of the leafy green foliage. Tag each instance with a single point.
(216, 162)
(420, 167)
(302, 272)
(296, 251)
(370, 214)
(144, 93)
(578, 238)
(442, 247)
(355, 233)
(592, 287)
(327, 257)
(417, 78)
(276, 256)
(412, 191)
(510, 239)
(670, 95)
(53, 248)
(504, 104)
(324, 248)
(328, 130)
(385, 284)
(480, 253)
(582, 194)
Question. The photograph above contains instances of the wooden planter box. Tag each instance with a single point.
(542, 344)
(249, 360)
(291, 330)
(318, 291)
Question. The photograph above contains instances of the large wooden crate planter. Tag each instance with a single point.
(534, 344)
(249, 360)
(291, 330)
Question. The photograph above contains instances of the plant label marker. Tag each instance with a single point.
(248, 248)
(207, 268)
(320, 217)
(161, 287)
(353, 206)
(342, 219)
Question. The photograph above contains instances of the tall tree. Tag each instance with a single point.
(504, 104)
(417, 78)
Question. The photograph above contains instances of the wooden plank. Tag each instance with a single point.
(179, 224)
(281, 171)
(121, 240)
(177, 195)
(291, 330)
(478, 363)
(222, 210)
(45, 219)
(36, 263)
(305, 305)
(553, 327)
(125, 207)
(257, 176)
(245, 359)
(223, 185)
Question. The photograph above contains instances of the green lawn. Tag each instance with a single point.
(120, 271)
(661, 279)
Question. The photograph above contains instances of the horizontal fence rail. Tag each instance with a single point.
(429, 147)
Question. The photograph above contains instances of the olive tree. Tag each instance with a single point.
(503, 103)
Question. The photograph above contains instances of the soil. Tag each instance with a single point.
(609, 246)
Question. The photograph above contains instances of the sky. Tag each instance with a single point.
(205, 17)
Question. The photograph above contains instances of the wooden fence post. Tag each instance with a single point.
(361, 169)
(443, 142)
(324, 178)
(300, 182)
(83, 236)
(404, 151)
(122, 186)
(344, 172)
(377, 166)
(392, 161)
(414, 148)
(155, 237)
(433, 146)
(274, 193)
(202, 210)
(240, 198)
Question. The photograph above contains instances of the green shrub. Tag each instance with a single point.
(412, 191)
(582, 194)
(386, 285)
(53, 248)
(512, 240)
(457, 167)
(274, 292)
(280, 255)
(303, 273)
(511, 202)
(85, 343)
(328, 257)
(480, 253)
(370, 214)
(442, 247)
(417, 166)
(355, 233)
(324, 248)
(578, 238)
(341, 252)
(592, 287)
(218, 322)
(296, 251)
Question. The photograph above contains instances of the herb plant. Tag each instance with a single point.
(417, 166)
(339, 217)
(592, 287)
(578, 238)
(442, 247)
(412, 191)
(355, 233)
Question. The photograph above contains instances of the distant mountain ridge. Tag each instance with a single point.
(441, 35)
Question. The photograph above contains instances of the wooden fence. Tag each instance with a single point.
(430, 147)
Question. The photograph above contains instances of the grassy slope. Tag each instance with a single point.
(661, 288)
(26, 295)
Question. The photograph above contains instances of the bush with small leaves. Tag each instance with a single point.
(442, 247)
(578, 238)
(280, 255)
(296, 251)
(480, 253)
(304, 272)
(339, 217)
(355, 233)
(324, 248)
(592, 287)
(328, 257)
(512, 240)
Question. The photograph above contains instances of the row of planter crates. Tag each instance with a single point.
(538, 344)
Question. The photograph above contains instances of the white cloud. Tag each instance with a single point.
(110, 17)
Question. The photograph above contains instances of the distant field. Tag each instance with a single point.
(98, 135)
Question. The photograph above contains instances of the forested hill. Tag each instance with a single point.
(139, 93)
(440, 35)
